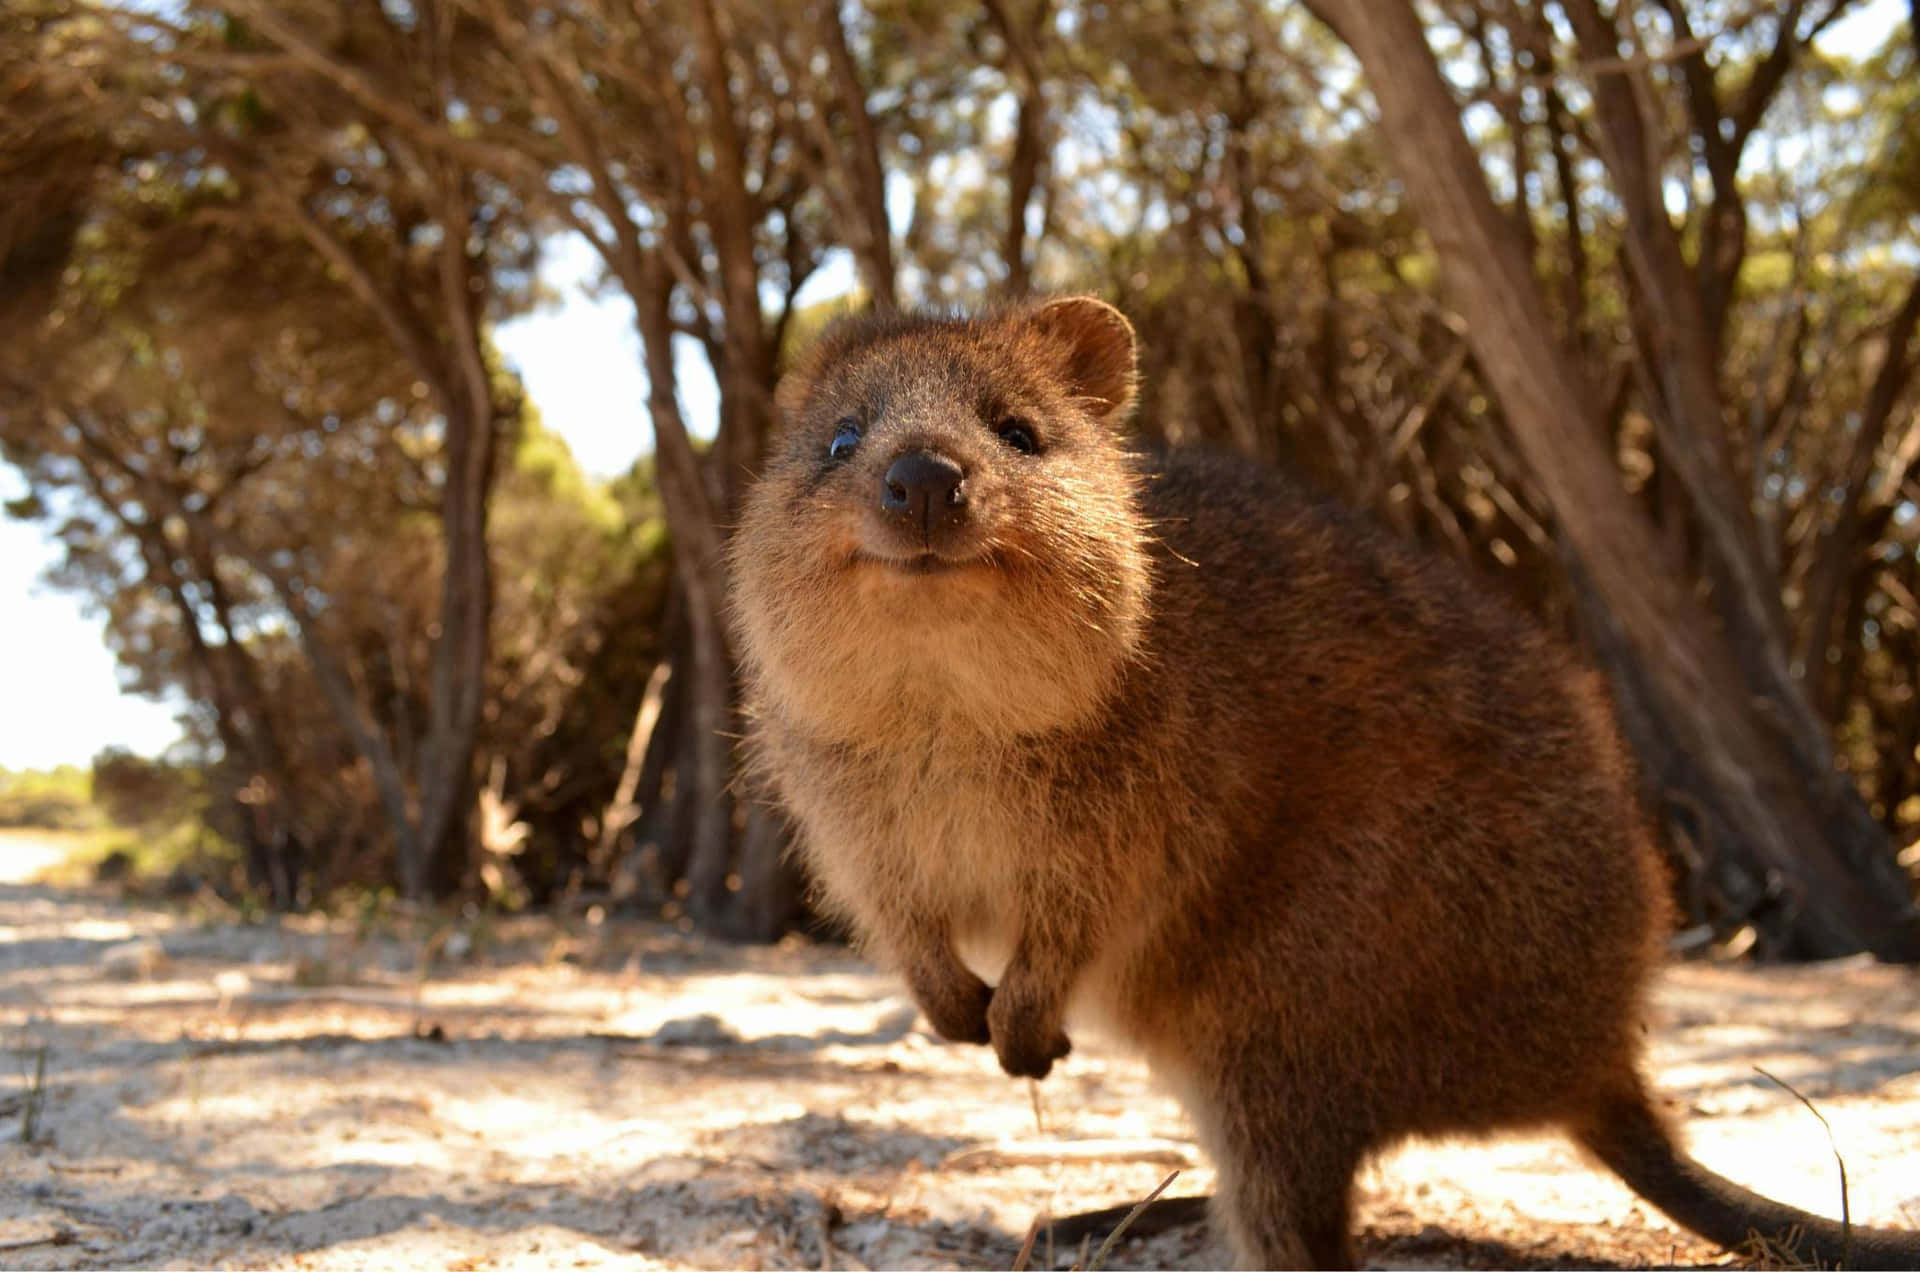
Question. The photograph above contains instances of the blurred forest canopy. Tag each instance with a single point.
(1614, 302)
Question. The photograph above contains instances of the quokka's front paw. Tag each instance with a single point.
(1027, 1042)
(955, 1005)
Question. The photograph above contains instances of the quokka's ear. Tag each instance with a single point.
(1098, 345)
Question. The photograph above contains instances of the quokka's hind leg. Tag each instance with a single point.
(1286, 1166)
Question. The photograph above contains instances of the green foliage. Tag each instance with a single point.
(48, 799)
(136, 821)
(187, 854)
(543, 463)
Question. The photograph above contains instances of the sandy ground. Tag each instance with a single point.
(307, 1094)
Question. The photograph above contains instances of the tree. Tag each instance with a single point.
(1712, 709)
(232, 173)
(1614, 303)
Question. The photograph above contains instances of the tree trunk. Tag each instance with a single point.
(268, 867)
(872, 232)
(710, 784)
(703, 774)
(657, 813)
(281, 852)
(459, 676)
(336, 686)
(240, 717)
(772, 896)
(1769, 820)
(1030, 150)
(745, 369)
(1681, 352)
(1841, 540)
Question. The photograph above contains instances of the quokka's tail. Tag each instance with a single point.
(1636, 1143)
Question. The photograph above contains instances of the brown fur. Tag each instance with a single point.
(1162, 746)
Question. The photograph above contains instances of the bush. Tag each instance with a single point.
(139, 793)
(49, 799)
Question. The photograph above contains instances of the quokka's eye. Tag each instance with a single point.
(846, 439)
(1018, 434)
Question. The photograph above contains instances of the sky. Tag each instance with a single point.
(59, 688)
(60, 700)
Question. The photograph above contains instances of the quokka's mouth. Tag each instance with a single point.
(923, 563)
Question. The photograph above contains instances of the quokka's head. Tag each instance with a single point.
(946, 538)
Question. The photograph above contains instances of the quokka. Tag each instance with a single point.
(1079, 736)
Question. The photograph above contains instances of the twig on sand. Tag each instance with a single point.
(1026, 1247)
(35, 1105)
(1156, 1152)
(58, 1237)
(1113, 1238)
(1846, 1210)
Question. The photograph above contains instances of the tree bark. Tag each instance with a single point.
(1704, 737)
(772, 896)
(1682, 356)
(1833, 562)
(704, 777)
(872, 232)
(1029, 137)
(746, 367)
(281, 854)
(459, 675)
(240, 716)
(336, 686)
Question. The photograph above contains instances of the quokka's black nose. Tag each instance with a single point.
(924, 489)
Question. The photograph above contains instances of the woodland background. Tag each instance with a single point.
(1615, 303)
